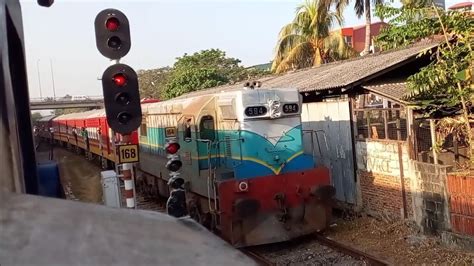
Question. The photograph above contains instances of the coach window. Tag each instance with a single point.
(206, 127)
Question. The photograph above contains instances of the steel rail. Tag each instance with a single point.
(259, 259)
(369, 259)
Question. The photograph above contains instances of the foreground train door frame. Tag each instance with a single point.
(332, 122)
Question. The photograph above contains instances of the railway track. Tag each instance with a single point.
(260, 256)
(310, 250)
(357, 254)
(261, 260)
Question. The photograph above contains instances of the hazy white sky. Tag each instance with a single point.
(161, 30)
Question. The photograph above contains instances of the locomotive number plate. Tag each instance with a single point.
(128, 153)
(170, 132)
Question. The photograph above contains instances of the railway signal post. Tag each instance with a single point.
(176, 204)
(120, 88)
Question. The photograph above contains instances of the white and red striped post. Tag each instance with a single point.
(127, 176)
(128, 181)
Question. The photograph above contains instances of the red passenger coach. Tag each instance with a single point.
(88, 133)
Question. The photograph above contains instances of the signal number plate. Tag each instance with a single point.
(170, 132)
(128, 153)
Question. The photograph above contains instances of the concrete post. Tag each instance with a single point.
(433, 140)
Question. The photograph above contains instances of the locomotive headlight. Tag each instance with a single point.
(243, 186)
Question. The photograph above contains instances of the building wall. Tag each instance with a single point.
(358, 36)
(379, 172)
(461, 203)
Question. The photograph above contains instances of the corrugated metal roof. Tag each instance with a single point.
(333, 75)
(393, 91)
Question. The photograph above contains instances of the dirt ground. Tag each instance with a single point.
(396, 242)
(80, 178)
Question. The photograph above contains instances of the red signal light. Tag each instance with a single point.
(112, 24)
(120, 79)
(172, 148)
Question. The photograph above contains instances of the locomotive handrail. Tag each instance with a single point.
(210, 170)
(208, 144)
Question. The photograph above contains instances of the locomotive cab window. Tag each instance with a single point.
(206, 127)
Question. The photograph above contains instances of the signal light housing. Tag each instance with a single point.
(172, 148)
(121, 98)
(174, 163)
(112, 32)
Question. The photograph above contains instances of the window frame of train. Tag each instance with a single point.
(207, 133)
(187, 128)
(122, 151)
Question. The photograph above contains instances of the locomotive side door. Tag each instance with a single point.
(208, 151)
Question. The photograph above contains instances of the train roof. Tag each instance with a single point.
(192, 102)
(82, 115)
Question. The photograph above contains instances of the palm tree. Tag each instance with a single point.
(308, 40)
(362, 7)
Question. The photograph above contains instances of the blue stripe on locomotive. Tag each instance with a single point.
(259, 156)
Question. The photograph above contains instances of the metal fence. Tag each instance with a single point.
(381, 123)
(451, 151)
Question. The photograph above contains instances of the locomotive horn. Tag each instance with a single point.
(249, 85)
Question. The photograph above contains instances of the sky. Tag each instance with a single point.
(62, 37)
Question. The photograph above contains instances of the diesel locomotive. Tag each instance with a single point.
(241, 154)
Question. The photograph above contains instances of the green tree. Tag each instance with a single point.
(447, 80)
(307, 41)
(204, 69)
(153, 81)
(35, 117)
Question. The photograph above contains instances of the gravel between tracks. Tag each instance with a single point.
(305, 251)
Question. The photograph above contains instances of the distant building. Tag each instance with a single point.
(355, 36)
(463, 6)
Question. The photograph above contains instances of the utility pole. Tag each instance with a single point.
(39, 78)
(52, 78)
